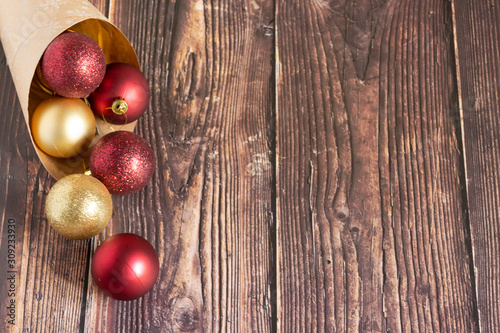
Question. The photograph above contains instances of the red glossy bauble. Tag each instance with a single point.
(73, 65)
(125, 266)
(123, 162)
(123, 95)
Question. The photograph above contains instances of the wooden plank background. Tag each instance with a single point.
(477, 29)
(322, 166)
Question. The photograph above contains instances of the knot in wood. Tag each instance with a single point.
(341, 216)
(186, 316)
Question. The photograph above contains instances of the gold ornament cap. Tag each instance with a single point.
(119, 107)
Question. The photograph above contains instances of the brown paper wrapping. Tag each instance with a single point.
(26, 29)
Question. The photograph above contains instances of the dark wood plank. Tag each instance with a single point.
(16, 200)
(208, 210)
(477, 43)
(372, 231)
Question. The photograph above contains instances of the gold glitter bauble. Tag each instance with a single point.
(63, 127)
(78, 206)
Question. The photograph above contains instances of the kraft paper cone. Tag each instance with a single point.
(26, 29)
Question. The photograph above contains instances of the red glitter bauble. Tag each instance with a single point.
(73, 65)
(123, 95)
(125, 266)
(123, 162)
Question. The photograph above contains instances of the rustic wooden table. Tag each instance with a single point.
(322, 166)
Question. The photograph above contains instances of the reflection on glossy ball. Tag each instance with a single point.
(125, 266)
(123, 95)
(78, 206)
(63, 127)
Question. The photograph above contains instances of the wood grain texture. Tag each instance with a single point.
(372, 231)
(477, 36)
(208, 210)
(322, 166)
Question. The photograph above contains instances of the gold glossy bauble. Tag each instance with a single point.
(63, 127)
(78, 206)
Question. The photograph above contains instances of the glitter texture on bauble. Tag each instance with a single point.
(78, 206)
(73, 65)
(123, 162)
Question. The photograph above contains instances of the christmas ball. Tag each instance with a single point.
(78, 206)
(73, 65)
(63, 127)
(123, 95)
(123, 161)
(125, 266)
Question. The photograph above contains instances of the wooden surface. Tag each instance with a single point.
(477, 28)
(322, 166)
